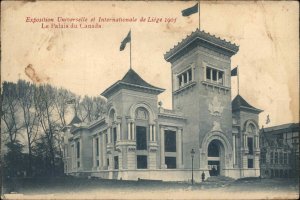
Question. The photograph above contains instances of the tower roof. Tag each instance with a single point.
(133, 81)
(201, 38)
(239, 103)
(75, 120)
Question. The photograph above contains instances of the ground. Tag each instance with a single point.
(79, 188)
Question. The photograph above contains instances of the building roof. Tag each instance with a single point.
(282, 128)
(131, 80)
(239, 103)
(75, 120)
(199, 37)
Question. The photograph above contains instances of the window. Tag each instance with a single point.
(78, 149)
(97, 146)
(114, 135)
(185, 77)
(250, 145)
(116, 161)
(141, 162)
(215, 76)
(263, 157)
(170, 141)
(141, 138)
(280, 158)
(78, 164)
(285, 158)
(272, 157)
(250, 163)
(170, 162)
(276, 157)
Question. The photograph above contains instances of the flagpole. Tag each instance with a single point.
(238, 79)
(199, 13)
(130, 48)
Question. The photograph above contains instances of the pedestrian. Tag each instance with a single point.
(203, 176)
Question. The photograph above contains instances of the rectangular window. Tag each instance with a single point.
(285, 158)
(116, 161)
(214, 76)
(141, 138)
(78, 149)
(280, 158)
(107, 162)
(276, 157)
(263, 157)
(141, 162)
(272, 157)
(170, 162)
(78, 164)
(97, 146)
(250, 163)
(250, 145)
(185, 77)
(115, 135)
(170, 141)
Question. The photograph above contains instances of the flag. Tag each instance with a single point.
(268, 119)
(125, 41)
(190, 11)
(234, 72)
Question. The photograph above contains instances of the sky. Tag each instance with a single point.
(87, 61)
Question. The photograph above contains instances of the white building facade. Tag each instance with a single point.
(139, 139)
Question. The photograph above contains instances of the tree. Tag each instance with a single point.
(9, 112)
(25, 96)
(44, 104)
(92, 108)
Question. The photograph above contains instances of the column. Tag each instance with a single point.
(154, 133)
(151, 133)
(133, 131)
(182, 78)
(187, 76)
(104, 161)
(178, 148)
(211, 75)
(162, 148)
(109, 135)
(118, 131)
(193, 71)
(129, 130)
(233, 150)
(94, 152)
(100, 138)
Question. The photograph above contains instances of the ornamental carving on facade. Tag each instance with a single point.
(215, 107)
(216, 126)
(131, 149)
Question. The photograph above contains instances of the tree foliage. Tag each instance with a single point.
(31, 119)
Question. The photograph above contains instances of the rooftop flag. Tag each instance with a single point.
(125, 41)
(190, 11)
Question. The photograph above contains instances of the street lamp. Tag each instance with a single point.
(192, 155)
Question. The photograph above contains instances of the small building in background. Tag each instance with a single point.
(280, 151)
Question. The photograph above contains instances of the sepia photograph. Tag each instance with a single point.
(150, 99)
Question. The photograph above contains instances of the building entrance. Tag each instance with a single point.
(213, 158)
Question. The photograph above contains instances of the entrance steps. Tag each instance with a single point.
(217, 181)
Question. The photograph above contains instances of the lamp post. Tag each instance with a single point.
(192, 155)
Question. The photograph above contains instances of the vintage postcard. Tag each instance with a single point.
(150, 99)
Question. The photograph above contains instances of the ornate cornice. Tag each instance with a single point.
(202, 38)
